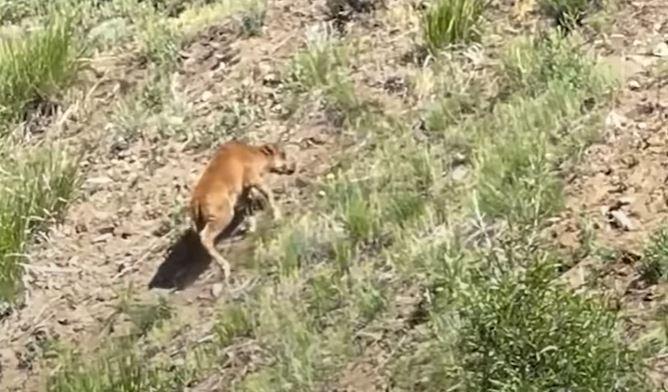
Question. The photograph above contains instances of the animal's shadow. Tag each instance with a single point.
(187, 259)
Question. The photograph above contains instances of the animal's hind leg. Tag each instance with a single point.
(208, 235)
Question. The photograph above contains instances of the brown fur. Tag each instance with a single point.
(236, 169)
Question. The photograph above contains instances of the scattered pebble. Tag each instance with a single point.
(216, 290)
(102, 238)
(106, 229)
(459, 173)
(661, 50)
(99, 180)
(615, 120)
(5, 309)
(621, 220)
(626, 200)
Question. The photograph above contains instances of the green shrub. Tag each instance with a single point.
(519, 331)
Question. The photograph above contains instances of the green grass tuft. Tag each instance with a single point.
(253, 18)
(321, 62)
(34, 67)
(568, 13)
(449, 22)
(32, 190)
(120, 367)
(654, 264)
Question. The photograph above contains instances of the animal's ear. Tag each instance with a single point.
(268, 150)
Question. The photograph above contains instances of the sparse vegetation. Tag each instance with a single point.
(35, 67)
(520, 331)
(449, 22)
(160, 41)
(322, 67)
(568, 13)
(654, 263)
(415, 245)
(252, 19)
(35, 184)
(34, 188)
(321, 62)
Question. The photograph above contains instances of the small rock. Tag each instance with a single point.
(621, 220)
(615, 120)
(313, 141)
(164, 227)
(630, 161)
(459, 173)
(633, 85)
(661, 50)
(5, 309)
(119, 146)
(175, 120)
(207, 95)
(106, 229)
(102, 238)
(459, 159)
(216, 290)
(626, 200)
(99, 180)
(301, 182)
(271, 79)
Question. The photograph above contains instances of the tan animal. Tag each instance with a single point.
(235, 170)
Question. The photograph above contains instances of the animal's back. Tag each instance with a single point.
(219, 184)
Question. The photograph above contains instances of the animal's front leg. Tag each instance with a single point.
(269, 197)
(247, 205)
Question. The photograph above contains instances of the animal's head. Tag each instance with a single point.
(278, 161)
